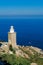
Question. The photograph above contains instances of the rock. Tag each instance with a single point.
(33, 63)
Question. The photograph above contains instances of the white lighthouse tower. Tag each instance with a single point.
(12, 37)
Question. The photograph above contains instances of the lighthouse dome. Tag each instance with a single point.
(11, 29)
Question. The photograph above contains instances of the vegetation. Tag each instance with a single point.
(13, 60)
(11, 49)
(33, 58)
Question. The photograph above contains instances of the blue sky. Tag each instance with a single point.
(21, 7)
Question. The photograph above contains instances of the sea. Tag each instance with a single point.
(29, 30)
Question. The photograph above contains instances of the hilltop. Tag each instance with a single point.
(23, 55)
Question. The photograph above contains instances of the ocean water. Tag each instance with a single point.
(29, 31)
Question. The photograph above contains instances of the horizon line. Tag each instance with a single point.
(23, 15)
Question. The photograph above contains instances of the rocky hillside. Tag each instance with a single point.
(23, 55)
(28, 51)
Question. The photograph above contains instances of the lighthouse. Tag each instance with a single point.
(12, 37)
